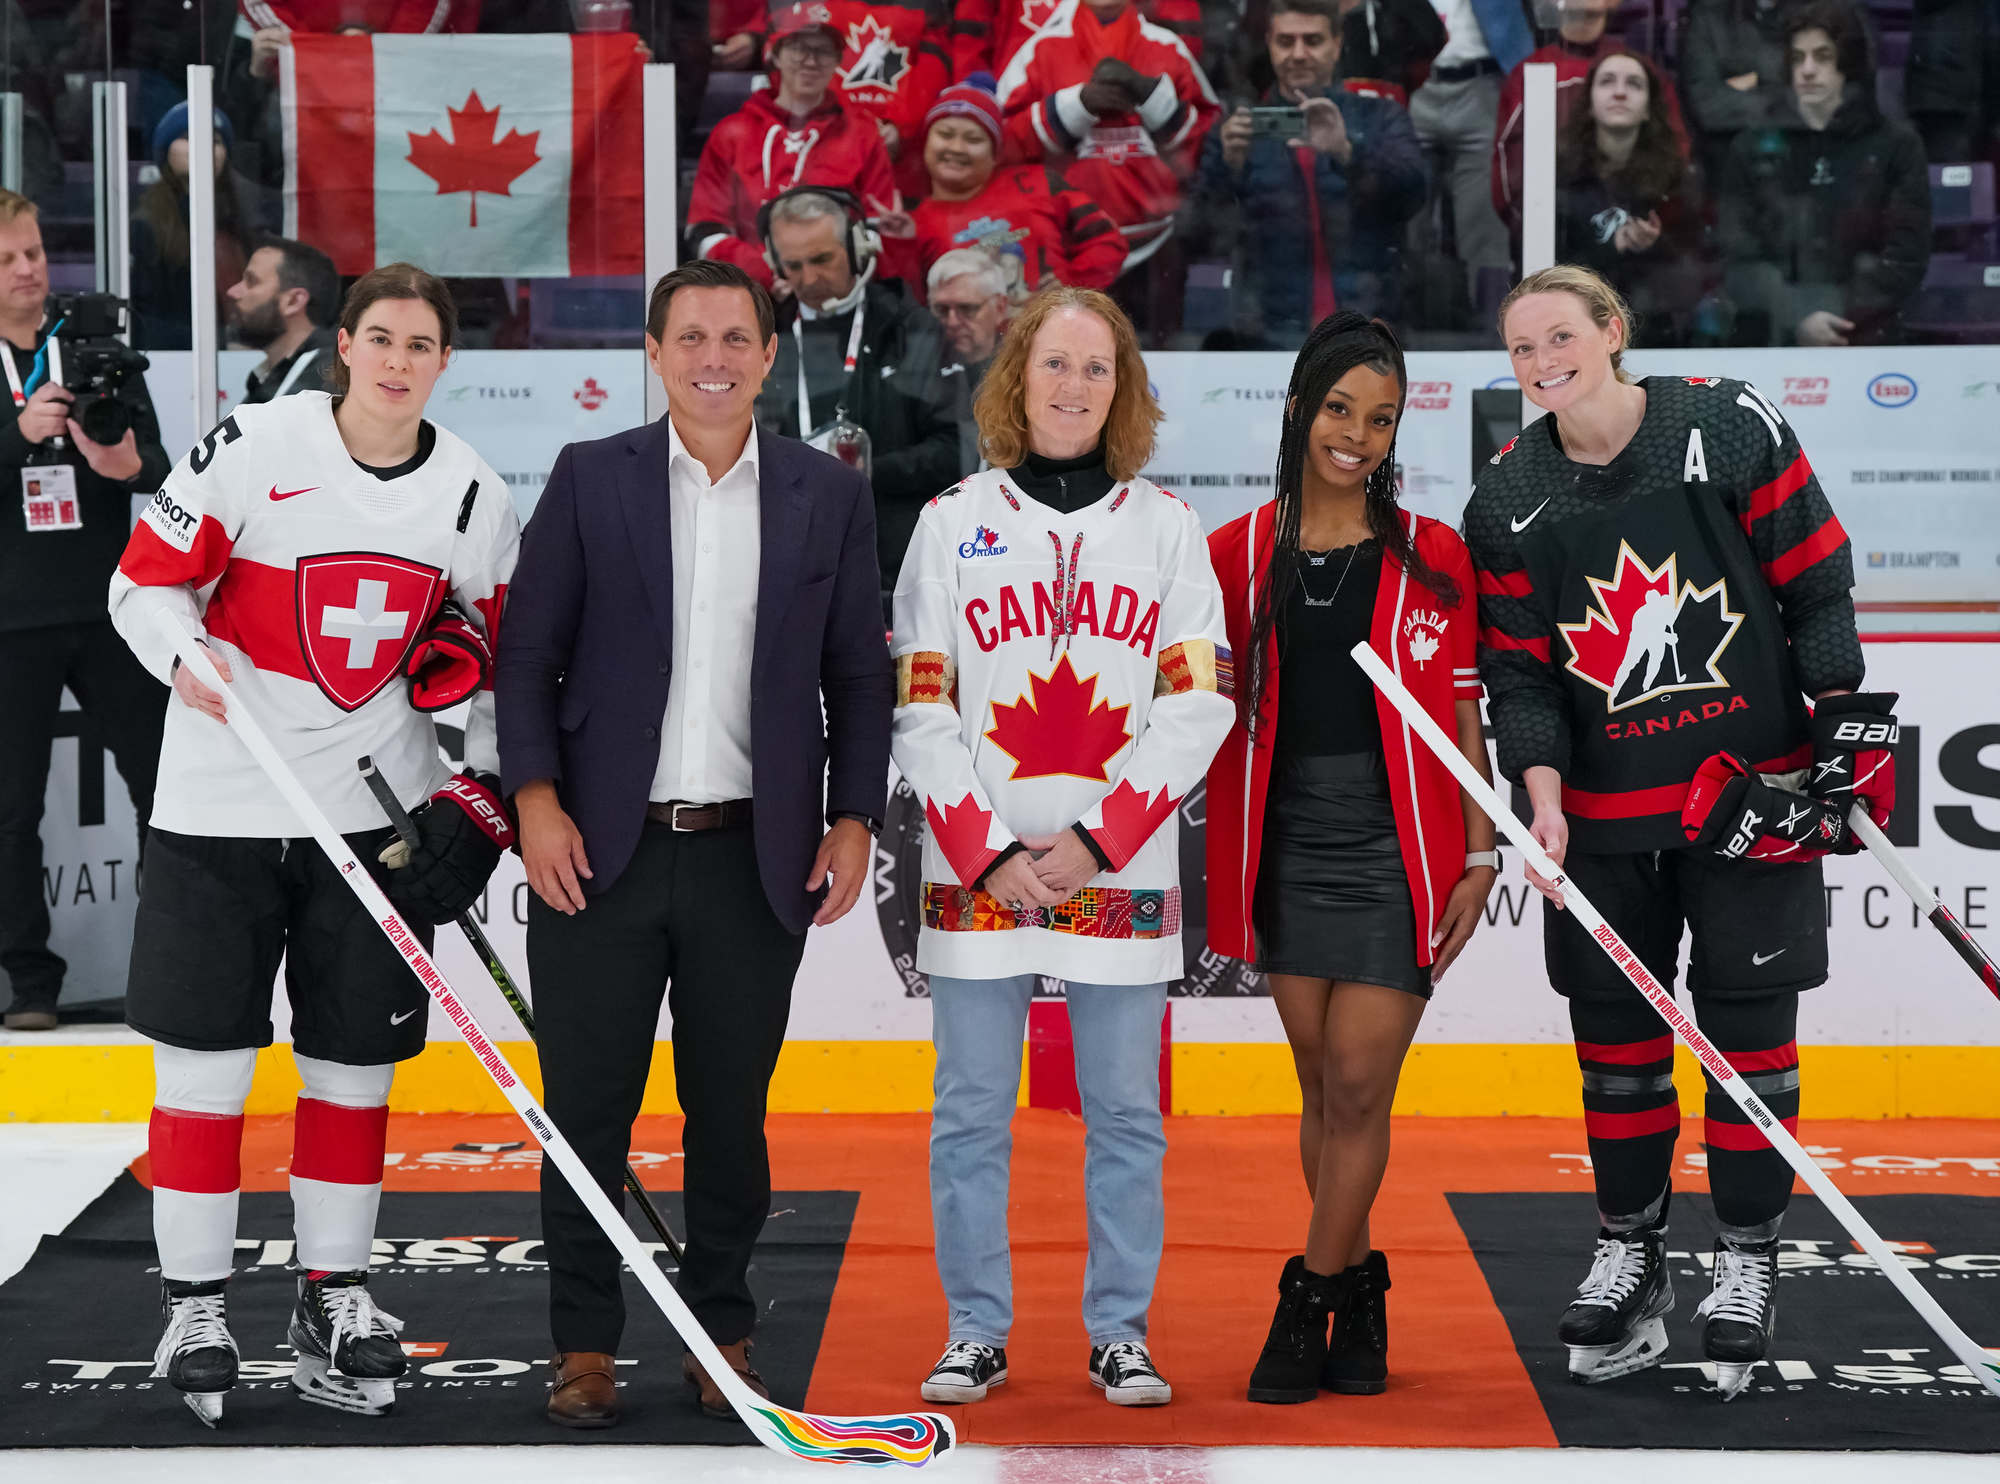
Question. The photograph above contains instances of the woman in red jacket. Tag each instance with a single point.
(1337, 845)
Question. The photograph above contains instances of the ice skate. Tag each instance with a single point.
(349, 1357)
(197, 1356)
(1742, 1311)
(1614, 1327)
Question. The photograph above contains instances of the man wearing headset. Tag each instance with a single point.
(854, 351)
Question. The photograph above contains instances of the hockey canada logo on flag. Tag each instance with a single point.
(879, 63)
(1647, 634)
(358, 614)
(985, 542)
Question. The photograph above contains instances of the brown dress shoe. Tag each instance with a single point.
(713, 1401)
(584, 1391)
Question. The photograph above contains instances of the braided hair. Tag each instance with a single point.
(1337, 344)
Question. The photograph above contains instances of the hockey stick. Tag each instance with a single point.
(406, 832)
(1898, 866)
(1982, 1364)
(912, 1438)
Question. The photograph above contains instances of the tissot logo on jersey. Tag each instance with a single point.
(358, 613)
(1646, 634)
(174, 522)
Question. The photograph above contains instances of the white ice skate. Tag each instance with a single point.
(348, 1355)
(196, 1356)
(1614, 1326)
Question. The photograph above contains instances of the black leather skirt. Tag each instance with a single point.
(1333, 901)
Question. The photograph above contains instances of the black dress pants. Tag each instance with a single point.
(126, 709)
(690, 912)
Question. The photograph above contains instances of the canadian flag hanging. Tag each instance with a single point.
(516, 156)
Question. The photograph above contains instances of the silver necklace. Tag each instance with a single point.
(1320, 560)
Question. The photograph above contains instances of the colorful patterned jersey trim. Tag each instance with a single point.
(1094, 912)
(925, 675)
(1195, 664)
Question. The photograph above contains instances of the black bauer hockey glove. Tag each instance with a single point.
(1854, 762)
(462, 830)
(1737, 812)
(449, 662)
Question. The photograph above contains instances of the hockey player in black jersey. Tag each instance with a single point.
(1662, 585)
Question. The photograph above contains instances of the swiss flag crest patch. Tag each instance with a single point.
(358, 613)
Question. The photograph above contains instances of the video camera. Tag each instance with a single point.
(96, 364)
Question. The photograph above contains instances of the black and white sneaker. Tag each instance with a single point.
(1124, 1371)
(965, 1373)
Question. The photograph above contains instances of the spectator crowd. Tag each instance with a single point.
(906, 173)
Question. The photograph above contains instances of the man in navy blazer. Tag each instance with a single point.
(689, 596)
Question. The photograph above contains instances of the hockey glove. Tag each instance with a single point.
(462, 830)
(1854, 760)
(1737, 812)
(449, 661)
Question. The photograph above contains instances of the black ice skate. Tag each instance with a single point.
(1613, 1326)
(1741, 1309)
(196, 1355)
(349, 1357)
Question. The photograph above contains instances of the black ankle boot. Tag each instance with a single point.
(1357, 1353)
(1288, 1370)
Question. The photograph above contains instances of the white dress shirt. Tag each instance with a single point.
(705, 738)
(1464, 41)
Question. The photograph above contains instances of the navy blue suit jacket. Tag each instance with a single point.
(586, 653)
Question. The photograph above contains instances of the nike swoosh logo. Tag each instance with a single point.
(1760, 959)
(1522, 525)
(278, 494)
(399, 1019)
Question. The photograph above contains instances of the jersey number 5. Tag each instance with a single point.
(225, 431)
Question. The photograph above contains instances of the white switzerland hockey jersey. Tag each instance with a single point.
(314, 579)
(1053, 670)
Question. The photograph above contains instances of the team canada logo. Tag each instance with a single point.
(985, 542)
(1423, 631)
(879, 63)
(1647, 634)
(358, 614)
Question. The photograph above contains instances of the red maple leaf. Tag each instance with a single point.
(473, 161)
(1130, 818)
(1060, 729)
(960, 830)
(1600, 647)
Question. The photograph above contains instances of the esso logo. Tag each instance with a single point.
(1502, 383)
(1891, 390)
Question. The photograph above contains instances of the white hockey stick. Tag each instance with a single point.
(1893, 861)
(1982, 1364)
(912, 1438)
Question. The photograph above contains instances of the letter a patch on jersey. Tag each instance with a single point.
(1647, 634)
(358, 615)
(1696, 465)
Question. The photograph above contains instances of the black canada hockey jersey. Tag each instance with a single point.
(1680, 601)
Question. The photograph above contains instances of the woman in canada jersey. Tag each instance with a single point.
(1662, 584)
(1338, 856)
(1062, 680)
(344, 562)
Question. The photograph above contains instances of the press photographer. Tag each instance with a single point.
(77, 439)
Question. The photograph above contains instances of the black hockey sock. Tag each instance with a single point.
(1630, 1111)
(1750, 1181)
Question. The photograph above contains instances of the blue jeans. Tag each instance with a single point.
(978, 1026)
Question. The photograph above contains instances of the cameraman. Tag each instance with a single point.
(65, 514)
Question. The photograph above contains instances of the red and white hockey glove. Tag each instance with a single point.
(1737, 812)
(449, 661)
(1854, 759)
(462, 830)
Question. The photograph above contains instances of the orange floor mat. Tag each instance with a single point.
(1236, 1206)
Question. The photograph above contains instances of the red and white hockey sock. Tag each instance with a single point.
(338, 1138)
(194, 1147)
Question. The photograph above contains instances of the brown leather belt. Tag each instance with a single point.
(730, 814)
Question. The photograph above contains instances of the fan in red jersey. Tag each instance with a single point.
(985, 34)
(1120, 106)
(344, 563)
(1661, 584)
(795, 134)
(1027, 216)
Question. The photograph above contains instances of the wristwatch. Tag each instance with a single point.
(1482, 858)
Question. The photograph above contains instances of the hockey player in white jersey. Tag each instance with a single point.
(345, 563)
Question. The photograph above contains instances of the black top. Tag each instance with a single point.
(60, 577)
(1066, 484)
(427, 437)
(1326, 704)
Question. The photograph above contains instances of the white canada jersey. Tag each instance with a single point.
(1054, 670)
(314, 579)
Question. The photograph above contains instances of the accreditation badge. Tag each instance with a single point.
(48, 498)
